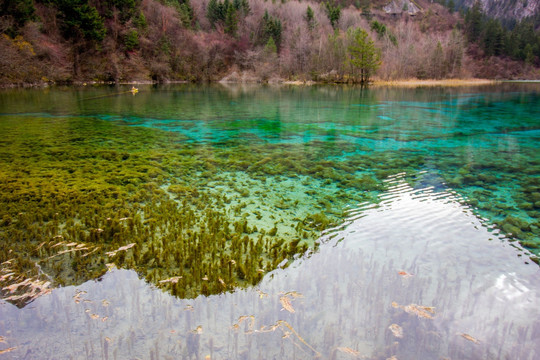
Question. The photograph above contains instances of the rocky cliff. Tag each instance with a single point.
(507, 9)
(402, 6)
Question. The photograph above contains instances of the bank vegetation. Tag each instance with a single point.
(255, 41)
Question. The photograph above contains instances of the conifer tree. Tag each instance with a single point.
(310, 18)
(80, 20)
(231, 21)
(364, 57)
(270, 46)
(20, 11)
(185, 10)
(473, 22)
(271, 28)
(81, 24)
(212, 12)
(333, 12)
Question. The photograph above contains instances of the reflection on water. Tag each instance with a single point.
(416, 276)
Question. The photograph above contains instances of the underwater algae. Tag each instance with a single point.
(209, 218)
(206, 216)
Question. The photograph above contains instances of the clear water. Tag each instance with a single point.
(414, 215)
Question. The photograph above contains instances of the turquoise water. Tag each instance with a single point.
(261, 222)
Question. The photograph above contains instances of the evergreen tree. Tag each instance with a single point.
(231, 21)
(451, 5)
(185, 11)
(131, 40)
(383, 31)
(379, 28)
(213, 12)
(310, 18)
(364, 57)
(227, 13)
(126, 8)
(78, 19)
(492, 38)
(270, 46)
(19, 11)
(333, 12)
(242, 6)
(528, 54)
(140, 21)
(81, 24)
(224, 7)
(271, 27)
(473, 22)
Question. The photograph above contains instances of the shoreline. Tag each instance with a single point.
(434, 82)
(406, 83)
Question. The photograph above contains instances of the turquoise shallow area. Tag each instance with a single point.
(243, 222)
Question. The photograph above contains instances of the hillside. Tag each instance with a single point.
(65, 41)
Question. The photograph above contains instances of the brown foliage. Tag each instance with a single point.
(495, 67)
(17, 61)
(423, 46)
(421, 55)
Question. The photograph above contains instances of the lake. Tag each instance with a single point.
(270, 222)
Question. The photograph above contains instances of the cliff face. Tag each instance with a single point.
(507, 9)
(402, 6)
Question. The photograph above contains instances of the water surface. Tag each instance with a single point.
(260, 222)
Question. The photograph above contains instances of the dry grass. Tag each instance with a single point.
(433, 82)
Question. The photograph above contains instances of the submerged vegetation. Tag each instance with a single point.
(79, 193)
(183, 216)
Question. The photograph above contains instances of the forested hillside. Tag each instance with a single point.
(257, 40)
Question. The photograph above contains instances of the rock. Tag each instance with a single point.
(330, 76)
(402, 6)
(243, 77)
(275, 80)
(233, 77)
(506, 9)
